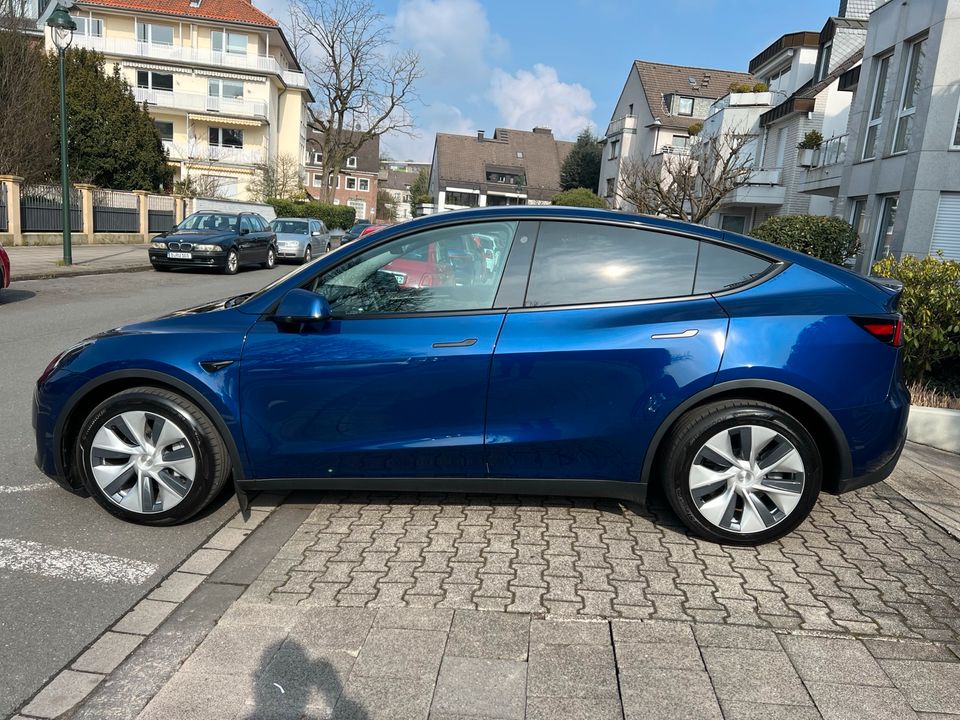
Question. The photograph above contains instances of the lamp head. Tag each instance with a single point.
(62, 27)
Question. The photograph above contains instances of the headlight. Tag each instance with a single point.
(158, 245)
(208, 248)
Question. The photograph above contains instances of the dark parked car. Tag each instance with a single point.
(602, 353)
(4, 268)
(356, 231)
(217, 240)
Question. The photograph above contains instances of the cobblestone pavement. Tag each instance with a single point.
(866, 563)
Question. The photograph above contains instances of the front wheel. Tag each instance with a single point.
(233, 262)
(307, 255)
(741, 471)
(150, 456)
(271, 259)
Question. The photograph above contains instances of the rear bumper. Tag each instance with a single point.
(218, 261)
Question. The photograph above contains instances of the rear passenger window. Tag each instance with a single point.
(578, 263)
(722, 268)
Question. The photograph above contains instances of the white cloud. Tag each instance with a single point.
(539, 98)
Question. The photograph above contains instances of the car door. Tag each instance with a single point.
(394, 385)
(265, 236)
(610, 339)
(248, 241)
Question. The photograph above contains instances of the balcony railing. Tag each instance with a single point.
(766, 177)
(197, 102)
(215, 153)
(192, 56)
(627, 123)
(673, 150)
(831, 152)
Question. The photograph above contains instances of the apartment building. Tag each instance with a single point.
(657, 106)
(358, 182)
(900, 184)
(218, 77)
(514, 167)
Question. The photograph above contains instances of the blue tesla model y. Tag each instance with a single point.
(522, 349)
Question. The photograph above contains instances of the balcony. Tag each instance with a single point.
(197, 102)
(627, 123)
(192, 56)
(764, 188)
(213, 153)
(673, 150)
(823, 175)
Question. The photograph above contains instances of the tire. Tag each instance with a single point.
(307, 255)
(328, 248)
(271, 259)
(192, 464)
(233, 262)
(722, 496)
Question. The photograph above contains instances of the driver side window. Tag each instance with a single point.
(246, 223)
(444, 270)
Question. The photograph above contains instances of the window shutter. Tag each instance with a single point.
(946, 230)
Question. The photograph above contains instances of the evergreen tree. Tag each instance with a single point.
(581, 168)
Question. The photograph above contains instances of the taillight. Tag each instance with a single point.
(886, 330)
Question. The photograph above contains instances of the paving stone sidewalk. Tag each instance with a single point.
(40, 261)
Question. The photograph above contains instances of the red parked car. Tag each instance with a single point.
(371, 229)
(4, 268)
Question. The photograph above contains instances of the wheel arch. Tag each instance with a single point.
(808, 410)
(96, 391)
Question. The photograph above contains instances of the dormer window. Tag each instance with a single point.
(685, 106)
(823, 61)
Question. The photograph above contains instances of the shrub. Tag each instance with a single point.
(827, 238)
(579, 197)
(760, 87)
(333, 216)
(811, 141)
(695, 128)
(930, 304)
(741, 87)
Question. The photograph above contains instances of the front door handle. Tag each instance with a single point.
(675, 336)
(469, 342)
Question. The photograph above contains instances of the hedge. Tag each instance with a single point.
(333, 216)
(824, 237)
(579, 197)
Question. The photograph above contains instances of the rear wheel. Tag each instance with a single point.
(233, 262)
(150, 456)
(741, 471)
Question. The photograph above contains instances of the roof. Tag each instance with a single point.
(368, 155)
(465, 159)
(804, 98)
(399, 180)
(804, 38)
(240, 11)
(660, 79)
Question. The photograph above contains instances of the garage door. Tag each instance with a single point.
(946, 230)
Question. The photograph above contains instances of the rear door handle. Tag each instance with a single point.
(469, 342)
(675, 336)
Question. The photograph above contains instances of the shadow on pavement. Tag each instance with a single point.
(291, 684)
(8, 297)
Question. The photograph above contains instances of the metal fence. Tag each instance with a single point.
(160, 213)
(114, 211)
(41, 209)
(4, 226)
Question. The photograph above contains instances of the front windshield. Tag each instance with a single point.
(358, 227)
(289, 227)
(209, 222)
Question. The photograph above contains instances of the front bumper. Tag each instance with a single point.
(216, 260)
(295, 252)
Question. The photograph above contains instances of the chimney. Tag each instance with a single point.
(479, 134)
(543, 130)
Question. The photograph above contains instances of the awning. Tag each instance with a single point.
(226, 120)
(222, 169)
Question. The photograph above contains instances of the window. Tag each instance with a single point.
(463, 199)
(165, 129)
(231, 42)
(363, 184)
(317, 180)
(359, 205)
(946, 227)
(318, 158)
(154, 80)
(89, 26)
(576, 263)
(614, 149)
(955, 144)
(519, 155)
(885, 223)
(352, 161)
(733, 223)
(442, 270)
(875, 117)
(610, 186)
(777, 78)
(502, 178)
(231, 89)
(908, 98)
(351, 183)
(823, 61)
(685, 106)
(858, 216)
(680, 141)
(155, 34)
(226, 137)
(246, 223)
(722, 268)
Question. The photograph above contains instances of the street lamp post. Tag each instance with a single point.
(62, 27)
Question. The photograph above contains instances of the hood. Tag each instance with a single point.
(292, 237)
(196, 236)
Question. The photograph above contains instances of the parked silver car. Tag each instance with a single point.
(300, 238)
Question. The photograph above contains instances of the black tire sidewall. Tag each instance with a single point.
(687, 444)
(199, 492)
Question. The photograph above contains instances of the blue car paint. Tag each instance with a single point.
(583, 404)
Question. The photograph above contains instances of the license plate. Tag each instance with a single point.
(179, 255)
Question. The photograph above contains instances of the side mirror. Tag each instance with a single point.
(303, 306)
(316, 233)
(244, 231)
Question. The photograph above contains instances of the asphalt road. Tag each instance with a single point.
(67, 568)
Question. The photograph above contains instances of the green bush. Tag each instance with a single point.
(811, 141)
(760, 87)
(930, 304)
(695, 128)
(743, 87)
(827, 238)
(333, 216)
(579, 197)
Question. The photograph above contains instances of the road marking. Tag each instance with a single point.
(26, 488)
(70, 564)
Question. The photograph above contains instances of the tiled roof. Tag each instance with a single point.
(660, 79)
(398, 180)
(241, 11)
(368, 156)
(464, 159)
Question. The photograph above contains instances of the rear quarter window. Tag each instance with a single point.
(723, 268)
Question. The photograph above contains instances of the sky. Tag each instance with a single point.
(562, 64)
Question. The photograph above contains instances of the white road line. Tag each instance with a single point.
(26, 488)
(70, 564)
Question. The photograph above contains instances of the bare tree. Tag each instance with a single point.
(277, 179)
(364, 87)
(200, 186)
(689, 187)
(27, 126)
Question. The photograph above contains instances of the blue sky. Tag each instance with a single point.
(562, 64)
